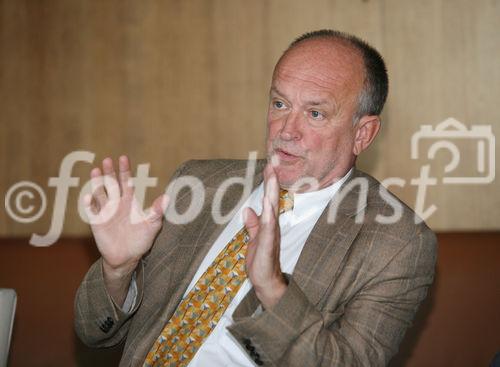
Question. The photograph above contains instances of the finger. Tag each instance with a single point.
(90, 210)
(97, 185)
(271, 188)
(164, 201)
(267, 227)
(267, 173)
(157, 209)
(124, 175)
(107, 167)
(251, 221)
(89, 205)
(267, 216)
(110, 181)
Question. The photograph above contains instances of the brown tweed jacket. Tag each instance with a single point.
(353, 294)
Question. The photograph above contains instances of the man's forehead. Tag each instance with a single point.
(325, 59)
(311, 96)
(314, 82)
(308, 75)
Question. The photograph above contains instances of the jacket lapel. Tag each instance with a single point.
(196, 240)
(178, 266)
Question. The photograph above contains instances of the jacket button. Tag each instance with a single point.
(104, 328)
(259, 362)
(250, 347)
(254, 355)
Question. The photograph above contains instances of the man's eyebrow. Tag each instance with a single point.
(275, 91)
(318, 102)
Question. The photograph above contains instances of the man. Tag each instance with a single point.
(317, 289)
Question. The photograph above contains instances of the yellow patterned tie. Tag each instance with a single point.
(201, 309)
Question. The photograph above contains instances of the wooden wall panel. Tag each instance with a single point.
(443, 62)
(166, 81)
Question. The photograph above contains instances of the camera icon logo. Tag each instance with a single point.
(449, 135)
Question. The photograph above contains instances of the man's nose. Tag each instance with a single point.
(291, 127)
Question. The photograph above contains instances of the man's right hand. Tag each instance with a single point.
(122, 230)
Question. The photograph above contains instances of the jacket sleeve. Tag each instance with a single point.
(365, 332)
(99, 322)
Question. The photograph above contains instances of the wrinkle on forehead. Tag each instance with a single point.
(326, 63)
(309, 75)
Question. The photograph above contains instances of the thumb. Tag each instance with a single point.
(158, 208)
(251, 220)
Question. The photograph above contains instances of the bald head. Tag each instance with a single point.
(345, 54)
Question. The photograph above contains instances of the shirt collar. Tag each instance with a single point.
(304, 204)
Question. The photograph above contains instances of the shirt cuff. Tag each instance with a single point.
(258, 311)
(131, 298)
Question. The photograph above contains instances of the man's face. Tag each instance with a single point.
(313, 99)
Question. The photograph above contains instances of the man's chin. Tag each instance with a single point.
(296, 181)
(287, 178)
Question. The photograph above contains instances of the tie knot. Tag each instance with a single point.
(286, 201)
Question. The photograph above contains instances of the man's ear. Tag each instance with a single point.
(366, 129)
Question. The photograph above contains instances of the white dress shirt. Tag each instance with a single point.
(220, 348)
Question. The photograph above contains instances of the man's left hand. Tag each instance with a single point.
(263, 251)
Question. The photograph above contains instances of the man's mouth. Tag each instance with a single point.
(285, 156)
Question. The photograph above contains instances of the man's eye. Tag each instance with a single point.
(279, 105)
(316, 115)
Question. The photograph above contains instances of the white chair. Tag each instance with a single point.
(8, 300)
